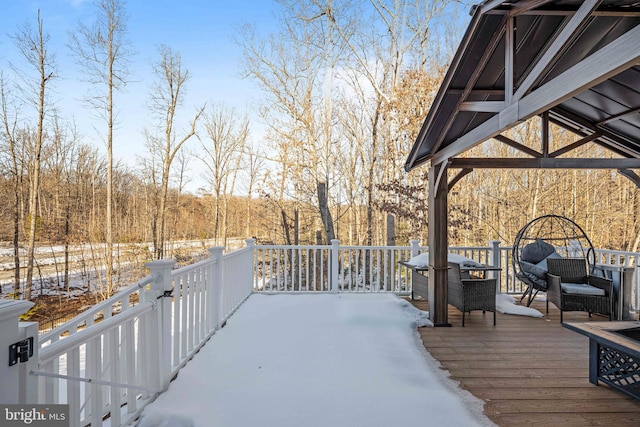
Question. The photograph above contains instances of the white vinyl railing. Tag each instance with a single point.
(331, 268)
(115, 358)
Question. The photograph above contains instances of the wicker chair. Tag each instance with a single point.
(471, 294)
(547, 236)
(563, 274)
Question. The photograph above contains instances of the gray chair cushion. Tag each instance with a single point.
(536, 251)
(534, 269)
(543, 264)
(581, 289)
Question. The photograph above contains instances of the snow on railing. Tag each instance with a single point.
(335, 268)
(115, 358)
(330, 268)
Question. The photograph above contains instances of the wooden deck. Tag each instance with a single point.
(528, 371)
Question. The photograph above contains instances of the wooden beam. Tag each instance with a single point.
(616, 12)
(619, 116)
(483, 106)
(524, 6)
(458, 177)
(613, 142)
(575, 145)
(634, 177)
(476, 91)
(488, 6)
(615, 57)
(613, 12)
(559, 45)
(543, 163)
(442, 176)
(509, 62)
(438, 247)
(413, 154)
(523, 148)
(545, 134)
(486, 55)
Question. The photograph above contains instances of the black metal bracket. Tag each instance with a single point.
(22, 351)
(166, 294)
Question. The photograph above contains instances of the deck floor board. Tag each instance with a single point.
(528, 371)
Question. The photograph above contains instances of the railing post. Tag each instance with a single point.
(496, 260)
(251, 246)
(160, 334)
(415, 247)
(28, 384)
(335, 246)
(10, 337)
(216, 285)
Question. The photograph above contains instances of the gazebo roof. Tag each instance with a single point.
(575, 63)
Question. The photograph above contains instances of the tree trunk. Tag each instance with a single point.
(325, 213)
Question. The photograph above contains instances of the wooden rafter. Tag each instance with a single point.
(614, 142)
(478, 69)
(483, 106)
(520, 147)
(617, 56)
(543, 163)
(619, 116)
(558, 46)
(573, 146)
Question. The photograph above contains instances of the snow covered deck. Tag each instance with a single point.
(116, 358)
(528, 371)
(315, 360)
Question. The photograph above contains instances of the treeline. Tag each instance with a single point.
(344, 88)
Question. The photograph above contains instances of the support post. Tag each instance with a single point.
(161, 292)
(335, 245)
(10, 369)
(438, 246)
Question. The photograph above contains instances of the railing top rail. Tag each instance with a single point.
(57, 348)
(292, 247)
(237, 252)
(613, 251)
(125, 293)
(379, 247)
(191, 267)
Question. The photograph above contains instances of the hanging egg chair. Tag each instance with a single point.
(548, 236)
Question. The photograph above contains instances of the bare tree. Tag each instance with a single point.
(252, 167)
(10, 130)
(102, 51)
(223, 149)
(296, 70)
(33, 46)
(167, 94)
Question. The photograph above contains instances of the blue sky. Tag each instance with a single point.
(202, 31)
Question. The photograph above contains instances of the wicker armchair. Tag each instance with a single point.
(471, 294)
(571, 288)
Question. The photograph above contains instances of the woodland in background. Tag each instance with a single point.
(345, 87)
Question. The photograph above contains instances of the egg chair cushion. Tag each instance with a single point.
(535, 252)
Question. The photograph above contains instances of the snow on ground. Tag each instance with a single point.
(507, 304)
(316, 360)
